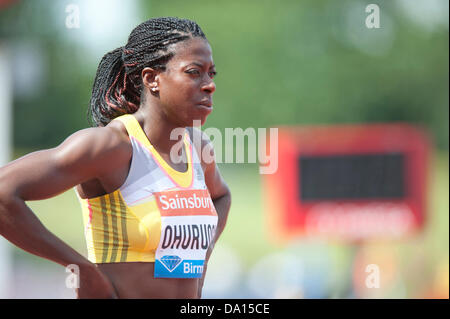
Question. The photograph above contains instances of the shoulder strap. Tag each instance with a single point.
(134, 129)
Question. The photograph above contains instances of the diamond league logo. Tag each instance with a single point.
(170, 262)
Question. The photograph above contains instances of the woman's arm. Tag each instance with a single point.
(44, 174)
(219, 191)
(221, 197)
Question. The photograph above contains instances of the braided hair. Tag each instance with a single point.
(117, 88)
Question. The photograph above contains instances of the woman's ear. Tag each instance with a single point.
(150, 79)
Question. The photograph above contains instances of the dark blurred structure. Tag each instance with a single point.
(351, 183)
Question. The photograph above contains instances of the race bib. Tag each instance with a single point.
(188, 224)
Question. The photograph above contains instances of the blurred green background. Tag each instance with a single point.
(278, 63)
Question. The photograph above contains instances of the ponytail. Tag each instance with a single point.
(112, 94)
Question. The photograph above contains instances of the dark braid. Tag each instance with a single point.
(117, 86)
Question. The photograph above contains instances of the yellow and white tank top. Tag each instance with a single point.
(158, 215)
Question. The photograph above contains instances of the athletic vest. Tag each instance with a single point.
(158, 215)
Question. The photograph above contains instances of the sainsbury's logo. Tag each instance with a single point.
(185, 202)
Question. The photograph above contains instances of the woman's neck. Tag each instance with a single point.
(158, 129)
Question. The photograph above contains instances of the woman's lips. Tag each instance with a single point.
(206, 103)
(205, 107)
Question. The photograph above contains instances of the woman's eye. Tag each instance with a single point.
(212, 74)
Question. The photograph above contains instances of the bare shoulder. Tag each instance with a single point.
(205, 149)
(203, 146)
(109, 145)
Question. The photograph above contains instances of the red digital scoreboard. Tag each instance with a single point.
(348, 182)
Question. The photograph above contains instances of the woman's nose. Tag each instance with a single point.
(209, 87)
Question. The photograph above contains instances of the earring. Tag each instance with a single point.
(154, 89)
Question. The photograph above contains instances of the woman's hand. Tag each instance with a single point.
(201, 281)
(205, 267)
(95, 284)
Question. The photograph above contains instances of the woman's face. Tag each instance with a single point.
(186, 86)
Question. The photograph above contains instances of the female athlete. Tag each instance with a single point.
(153, 205)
